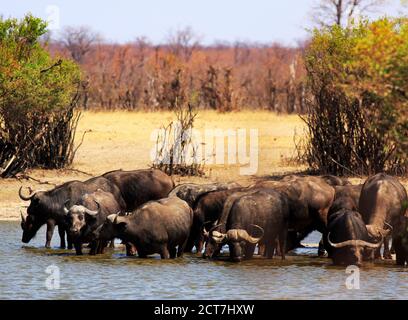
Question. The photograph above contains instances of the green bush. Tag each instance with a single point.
(37, 100)
(358, 117)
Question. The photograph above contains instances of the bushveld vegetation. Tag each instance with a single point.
(37, 100)
(224, 77)
(348, 83)
(358, 117)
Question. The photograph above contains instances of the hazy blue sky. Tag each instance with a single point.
(230, 20)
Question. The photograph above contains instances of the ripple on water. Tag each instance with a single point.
(115, 276)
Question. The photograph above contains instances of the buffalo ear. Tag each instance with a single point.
(121, 225)
(112, 217)
(90, 217)
(120, 222)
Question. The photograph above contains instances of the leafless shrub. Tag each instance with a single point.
(37, 139)
(176, 152)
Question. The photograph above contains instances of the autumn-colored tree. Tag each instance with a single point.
(37, 100)
(140, 75)
(358, 119)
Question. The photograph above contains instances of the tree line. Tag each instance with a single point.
(224, 77)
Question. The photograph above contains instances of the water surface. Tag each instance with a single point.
(115, 276)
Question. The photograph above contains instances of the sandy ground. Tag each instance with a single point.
(123, 140)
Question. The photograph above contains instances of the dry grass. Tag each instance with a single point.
(123, 140)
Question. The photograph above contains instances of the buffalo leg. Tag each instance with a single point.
(111, 244)
(392, 250)
(94, 247)
(369, 254)
(321, 251)
(387, 252)
(400, 251)
(191, 242)
(164, 254)
(130, 249)
(199, 245)
(61, 232)
(261, 249)
(249, 250)
(172, 252)
(282, 242)
(377, 253)
(78, 248)
(141, 254)
(70, 242)
(181, 249)
(102, 245)
(50, 232)
(401, 260)
(270, 248)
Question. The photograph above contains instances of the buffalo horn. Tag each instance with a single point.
(241, 234)
(356, 243)
(26, 198)
(218, 236)
(112, 217)
(22, 217)
(93, 212)
(65, 206)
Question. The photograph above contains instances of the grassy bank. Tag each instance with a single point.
(119, 139)
(123, 140)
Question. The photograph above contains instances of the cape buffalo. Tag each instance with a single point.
(346, 197)
(87, 215)
(140, 186)
(189, 192)
(383, 203)
(335, 181)
(348, 237)
(160, 226)
(207, 210)
(310, 199)
(400, 242)
(47, 207)
(265, 209)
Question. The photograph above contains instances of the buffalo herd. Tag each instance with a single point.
(151, 215)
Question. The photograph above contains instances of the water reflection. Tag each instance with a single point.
(302, 275)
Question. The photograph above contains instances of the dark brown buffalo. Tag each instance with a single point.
(383, 204)
(207, 210)
(140, 186)
(161, 226)
(400, 242)
(335, 181)
(47, 207)
(348, 237)
(244, 212)
(86, 216)
(189, 192)
(346, 197)
(310, 199)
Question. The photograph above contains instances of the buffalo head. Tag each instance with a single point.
(77, 218)
(110, 229)
(36, 213)
(234, 237)
(30, 224)
(351, 251)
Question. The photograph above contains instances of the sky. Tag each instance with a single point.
(263, 21)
